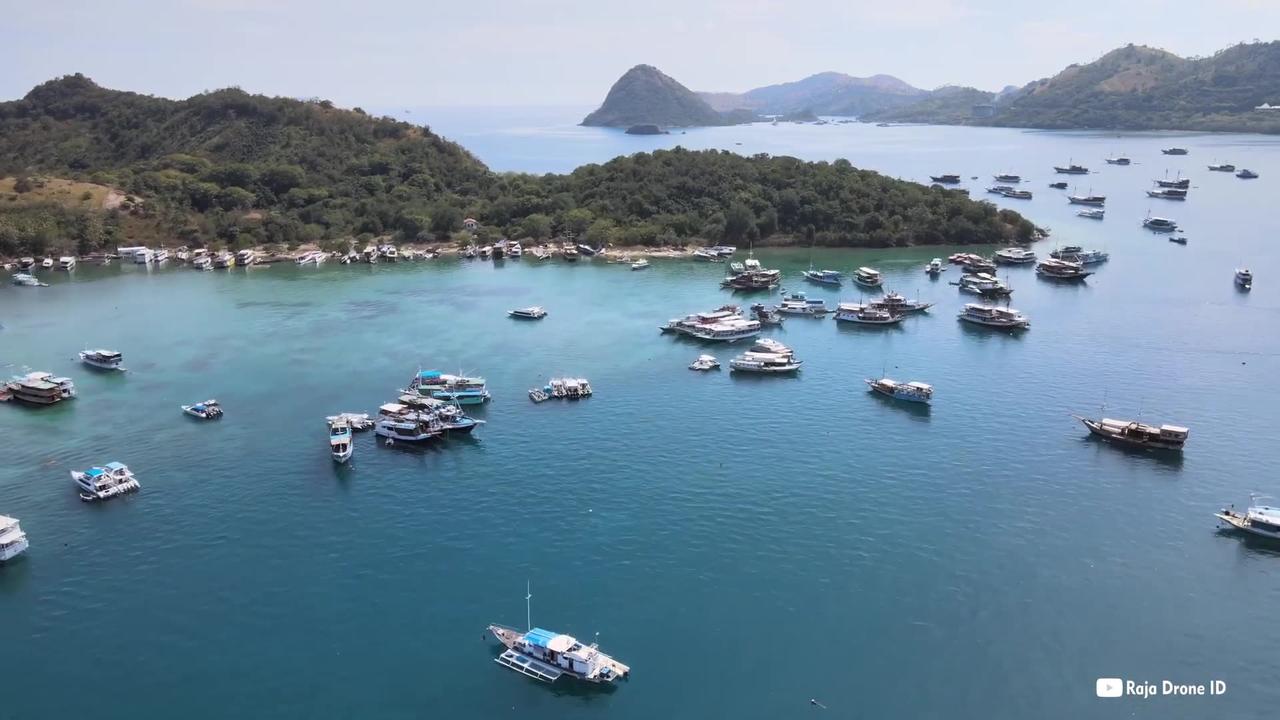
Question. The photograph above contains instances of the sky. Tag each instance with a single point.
(385, 53)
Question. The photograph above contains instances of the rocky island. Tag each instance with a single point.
(644, 95)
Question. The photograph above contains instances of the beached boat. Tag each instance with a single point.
(1094, 200)
(67, 262)
(160, 256)
(945, 179)
(867, 314)
(934, 267)
(13, 541)
(910, 391)
(1257, 519)
(107, 481)
(340, 445)
(994, 316)
(102, 359)
(1159, 224)
(224, 261)
(207, 410)
(1244, 278)
(797, 304)
(899, 304)
(26, 263)
(983, 284)
(1136, 434)
(204, 262)
(247, 257)
(868, 277)
(765, 363)
(450, 388)
(823, 277)
(1096, 214)
(514, 250)
(40, 388)
(1223, 167)
(1071, 169)
(705, 362)
(1247, 174)
(548, 656)
(1065, 270)
(569, 252)
(533, 312)
(1014, 256)
(1167, 194)
(27, 280)
(641, 264)
(1174, 151)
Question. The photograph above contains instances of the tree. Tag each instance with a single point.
(280, 179)
(578, 220)
(536, 226)
(445, 219)
(739, 221)
(233, 198)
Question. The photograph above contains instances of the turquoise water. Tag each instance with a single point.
(745, 544)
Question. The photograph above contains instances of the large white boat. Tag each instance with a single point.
(160, 256)
(409, 427)
(1159, 224)
(768, 363)
(107, 481)
(798, 304)
(705, 362)
(202, 262)
(13, 542)
(1064, 270)
(1258, 519)
(867, 314)
(450, 388)
(548, 656)
(1014, 256)
(143, 256)
(1136, 434)
(41, 388)
(224, 260)
(102, 359)
(868, 277)
(1077, 254)
(723, 325)
(984, 284)
(246, 257)
(67, 262)
(909, 391)
(340, 445)
(28, 280)
(994, 316)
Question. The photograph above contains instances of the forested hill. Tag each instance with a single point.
(228, 168)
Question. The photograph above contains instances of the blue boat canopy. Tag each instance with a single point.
(115, 466)
(539, 637)
(94, 471)
(429, 374)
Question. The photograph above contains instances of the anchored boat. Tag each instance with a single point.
(102, 359)
(207, 410)
(1136, 434)
(13, 542)
(340, 445)
(994, 316)
(107, 481)
(1258, 519)
(533, 312)
(909, 391)
(548, 656)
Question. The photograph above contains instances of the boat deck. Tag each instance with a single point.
(526, 665)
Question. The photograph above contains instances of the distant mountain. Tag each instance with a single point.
(644, 95)
(827, 93)
(1132, 88)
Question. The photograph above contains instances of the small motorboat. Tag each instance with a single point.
(705, 362)
(1260, 520)
(538, 395)
(935, 267)
(207, 410)
(1058, 185)
(1246, 174)
(533, 312)
(640, 264)
(340, 445)
(1174, 151)
(1244, 278)
(1180, 239)
(1223, 167)
(47, 263)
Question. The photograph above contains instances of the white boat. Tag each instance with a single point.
(358, 422)
(411, 427)
(984, 284)
(41, 388)
(934, 267)
(706, 254)
(514, 250)
(994, 316)
(1094, 200)
(533, 312)
(1118, 160)
(207, 410)
(389, 253)
(723, 325)
(204, 262)
(340, 445)
(1159, 224)
(1014, 256)
(160, 256)
(771, 346)
(67, 262)
(1223, 167)
(246, 257)
(867, 314)
(899, 304)
(798, 304)
(868, 277)
(13, 542)
(1136, 434)
(306, 258)
(224, 260)
(183, 254)
(102, 359)
(640, 264)
(767, 363)
(568, 388)
(1244, 278)
(910, 391)
(27, 280)
(47, 263)
(705, 362)
(107, 481)
(1258, 519)
(142, 256)
(548, 656)
(1093, 214)
(370, 254)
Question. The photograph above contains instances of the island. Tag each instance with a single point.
(644, 95)
(646, 129)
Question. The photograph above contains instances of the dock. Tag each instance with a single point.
(526, 665)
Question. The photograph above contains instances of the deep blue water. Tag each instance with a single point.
(745, 544)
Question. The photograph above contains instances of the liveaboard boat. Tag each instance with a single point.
(994, 316)
(1093, 214)
(704, 363)
(107, 481)
(40, 388)
(1014, 256)
(1244, 278)
(1136, 434)
(977, 264)
(934, 267)
(548, 656)
(1077, 254)
(203, 262)
(1174, 151)
(899, 304)
(533, 312)
(410, 427)
(823, 277)
(750, 275)
(1065, 270)
(984, 284)
(1006, 178)
(868, 277)
(910, 391)
(1118, 160)
(1223, 167)
(867, 314)
(797, 304)
(1257, 519)
(1159, 224)
(246, 257)
(1071, 169)
(67, 262)
(13, 541)
(340, 445)
(450, 388)
(569, 388)
(945, 179)
(1178, 182)
(102, 359)
(1167, 194)
(765, 363)
(160, 256)
(766, 315)
(1090, 199)
(207, 410)
(27, 280)
(224, 261)
(1017, 194)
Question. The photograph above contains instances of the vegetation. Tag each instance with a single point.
(646, 96)
(828, 93)
(95, 168)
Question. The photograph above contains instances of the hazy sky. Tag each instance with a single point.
(384, 53)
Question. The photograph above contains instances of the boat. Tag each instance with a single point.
(1136, 434)
(350, 258)
(204, 262)
(999, 189)
(706, 254)
(640, 264)
(898, 304)
(867, 314)
(499, 249)
(1071, 169)
(306, 258)
(411, 427)
(370, 254)
(1180, 182)
(1244, 278)
(766, 315)
(994, 316)
(1058, 185)
(340, 445)
(1017, 194)
(40, 388)
(868, 277)
(1178, 239)
(358, 422)
(1056, 269)
(1005, 178)
(569, 252)
(1174, 151)
(1118, 160)
(751, 275)
(224, 260)
(769, 345)
(538, 395)
(26, 263)
(569, 388)
(1247, 174)
(1095, 200)
(725, 324)
(1095, 214)
(183, 253)
(13, 542)
(47, 263)
(1159, 224)
(765, 363)
(1014, 256)
(107, 481)
(945, 179)
(27, 280)
(450, 388)
(548, 656)
(1257, 519)
(1077, 254)
(67, 262)
(1167, 194)
(798, 304)
(823, 277)
(533, 312)
(910, 391)
(160, 256)
(246, 257)
(984, 284)
(102, 359)
(389, 253)
(705, 362)
(934, 267)
(207, 410)
(724, 250)
(586, 250)
(1224, 167)
(978, 264)
(141, 255)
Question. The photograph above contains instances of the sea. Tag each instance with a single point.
(753, 547)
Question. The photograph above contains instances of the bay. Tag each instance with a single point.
(745, 544)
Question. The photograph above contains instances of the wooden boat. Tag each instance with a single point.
(1135, 434)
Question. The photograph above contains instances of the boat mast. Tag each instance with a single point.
(528, 611)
